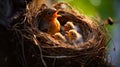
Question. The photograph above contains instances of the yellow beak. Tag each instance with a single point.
(57, 15)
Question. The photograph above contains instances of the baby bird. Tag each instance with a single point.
(48, 22)
(69, 25)
(59, 36)
(74, 37)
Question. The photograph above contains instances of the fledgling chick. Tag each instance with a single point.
(59, 36)
(74, 37)
(48, 22)
(69, 25)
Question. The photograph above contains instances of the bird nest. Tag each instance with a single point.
(41, 49)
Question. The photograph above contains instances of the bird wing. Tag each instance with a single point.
(43, 26)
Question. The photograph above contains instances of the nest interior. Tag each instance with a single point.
(23, 45)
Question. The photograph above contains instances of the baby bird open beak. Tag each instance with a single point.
(66, 28)
(56, 14)
(53, 36)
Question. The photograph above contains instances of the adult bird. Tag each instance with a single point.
(48, 22)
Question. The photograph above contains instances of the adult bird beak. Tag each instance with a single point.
(57, 15)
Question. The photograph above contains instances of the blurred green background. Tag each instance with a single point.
(102, 8)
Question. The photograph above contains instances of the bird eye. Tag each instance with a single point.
(49, 13)
(58, 37)
(70, 27)
(72, 34)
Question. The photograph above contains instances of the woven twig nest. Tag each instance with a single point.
(91, 53)
(40, 49)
